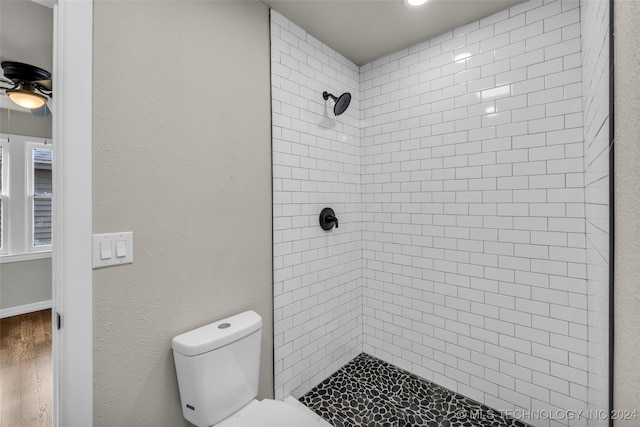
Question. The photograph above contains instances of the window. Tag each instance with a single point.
(41, 191)
(26, 189)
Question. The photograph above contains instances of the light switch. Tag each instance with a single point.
(121, 248)
(112, 249)
(105, 249)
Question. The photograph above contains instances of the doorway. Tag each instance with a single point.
(71, 229)
(26, 162)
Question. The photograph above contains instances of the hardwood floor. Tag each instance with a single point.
(26, 386)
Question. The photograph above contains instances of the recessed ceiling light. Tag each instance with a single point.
(414, 3)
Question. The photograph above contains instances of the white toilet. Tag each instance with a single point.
(218, 367)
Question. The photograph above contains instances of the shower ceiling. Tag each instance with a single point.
(364, 30)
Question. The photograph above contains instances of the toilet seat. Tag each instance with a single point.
(270, 413)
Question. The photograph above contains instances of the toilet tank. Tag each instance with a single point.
(218, 367)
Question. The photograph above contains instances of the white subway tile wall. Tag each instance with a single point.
(595, 86)
(316, 164)
(458, 176)
(474, 209)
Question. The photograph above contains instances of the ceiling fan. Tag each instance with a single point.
(29, 86)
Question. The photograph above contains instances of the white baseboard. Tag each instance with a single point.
(26, 308)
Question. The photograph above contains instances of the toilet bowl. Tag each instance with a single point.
(271, 413)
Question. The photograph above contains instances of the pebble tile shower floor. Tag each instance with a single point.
(372, 393)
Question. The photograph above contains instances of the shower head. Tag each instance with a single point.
(341, 103)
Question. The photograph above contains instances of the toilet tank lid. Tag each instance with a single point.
(217, 334)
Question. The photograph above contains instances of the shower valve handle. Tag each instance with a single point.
(328, 219)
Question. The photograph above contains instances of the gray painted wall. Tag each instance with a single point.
(20, 123)
(626, 392)
(183, 161)
(26, 33)
(25, 282)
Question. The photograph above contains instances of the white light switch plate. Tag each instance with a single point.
(121, 252)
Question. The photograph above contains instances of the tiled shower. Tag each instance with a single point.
(470, 179)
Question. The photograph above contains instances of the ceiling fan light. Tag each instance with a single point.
(25, 97)
(414, 3)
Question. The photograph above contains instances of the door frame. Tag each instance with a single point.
(72, 344)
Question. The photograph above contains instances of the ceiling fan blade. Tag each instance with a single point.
(8, 88)
(40, 90)
(44, 84)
